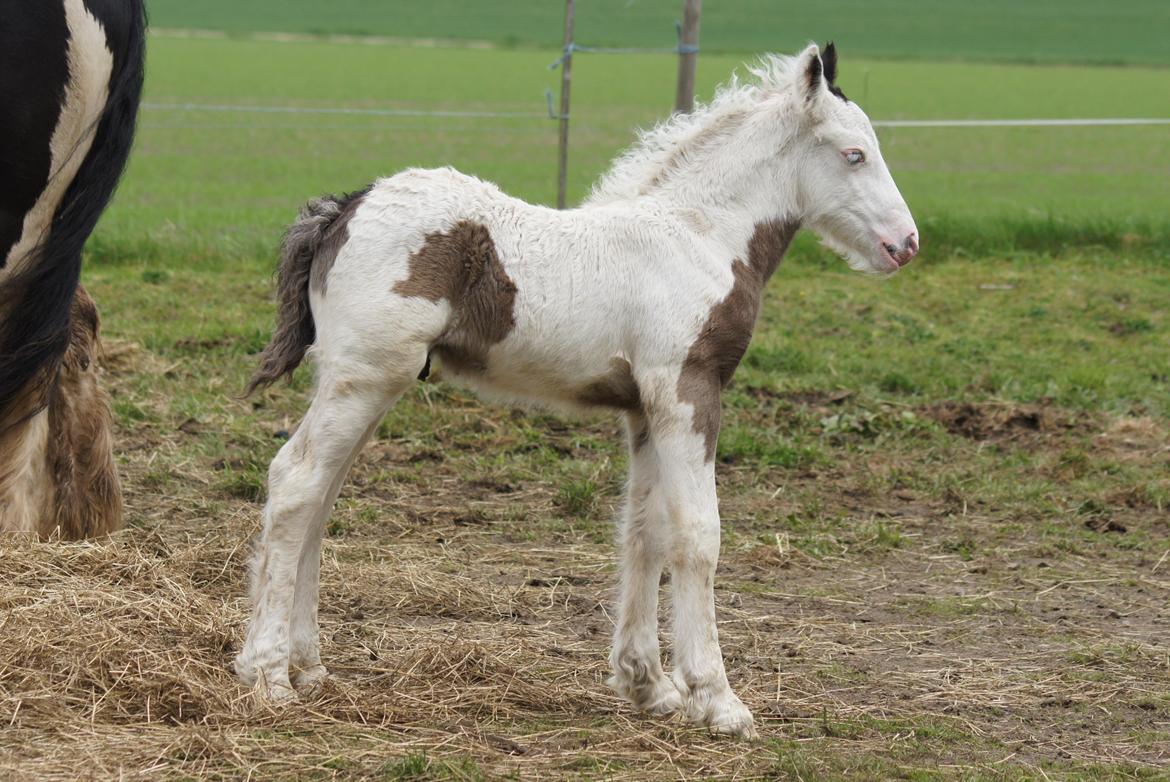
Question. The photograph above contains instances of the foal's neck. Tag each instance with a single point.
(733, 175)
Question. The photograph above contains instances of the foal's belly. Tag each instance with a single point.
(577, 373)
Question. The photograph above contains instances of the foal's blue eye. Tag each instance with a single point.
(854, 157)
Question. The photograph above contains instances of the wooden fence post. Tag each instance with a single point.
(684, 99)
(566, 77)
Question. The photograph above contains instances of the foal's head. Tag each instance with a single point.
(848, 197)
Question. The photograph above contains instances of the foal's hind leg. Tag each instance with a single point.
(303, 482)
(645, 536)
(305, 665)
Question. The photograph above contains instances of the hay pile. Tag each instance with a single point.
(115, 663)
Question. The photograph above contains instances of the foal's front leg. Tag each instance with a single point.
(688, 483)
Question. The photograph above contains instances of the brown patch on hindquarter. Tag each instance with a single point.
(617, 388)
(716, 352)
(462, 266)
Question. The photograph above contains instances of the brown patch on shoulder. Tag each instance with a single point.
(335, 237)
(768, 244)
(462, 266)
(716, 352)
(617, 388)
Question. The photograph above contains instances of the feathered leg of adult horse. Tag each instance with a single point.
(70, 82)
(643, 300)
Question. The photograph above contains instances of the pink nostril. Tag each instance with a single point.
(912, 244)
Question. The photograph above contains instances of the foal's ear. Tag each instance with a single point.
(829, 59)
(814, 72)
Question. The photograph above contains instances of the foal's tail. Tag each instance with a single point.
(295, 329)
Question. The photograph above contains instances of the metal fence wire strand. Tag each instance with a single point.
(469, 114)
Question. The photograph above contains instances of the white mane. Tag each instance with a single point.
(660, 149)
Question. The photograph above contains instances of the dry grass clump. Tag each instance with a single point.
(116, 632)
(120, 651)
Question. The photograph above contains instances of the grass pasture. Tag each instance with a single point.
(1122, 32)
(223, 184)
(945, 528)
(946, 549)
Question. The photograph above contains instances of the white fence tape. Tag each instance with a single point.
(338, 110)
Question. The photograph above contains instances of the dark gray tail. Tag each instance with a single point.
(295, 330)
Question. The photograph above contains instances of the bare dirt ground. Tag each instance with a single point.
(881, 620)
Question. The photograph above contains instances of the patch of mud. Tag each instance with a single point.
(991, 421)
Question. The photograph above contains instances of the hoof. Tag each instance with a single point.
(246, 672)
(735, 720)
(279, 695)
(311, 678)
(721, 711)
(659, 697)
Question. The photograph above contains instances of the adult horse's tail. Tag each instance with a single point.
(37, 293)
(318, 223)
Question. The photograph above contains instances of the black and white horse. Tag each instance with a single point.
(70, 82)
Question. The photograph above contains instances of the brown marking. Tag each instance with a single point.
(724, 337)
(616, 389)
(639, 430)
(57, 472)
(462, 266)
(335, 237)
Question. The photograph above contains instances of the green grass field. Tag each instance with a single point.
(944, 495)
(1130, 31)
(224, 184)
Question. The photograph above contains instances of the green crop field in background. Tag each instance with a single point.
(225, 183)
(1130, 31)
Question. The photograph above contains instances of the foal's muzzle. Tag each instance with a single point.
(904, 253)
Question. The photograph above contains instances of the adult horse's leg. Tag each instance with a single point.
(645, 536)
(688, 485)
(303, 482)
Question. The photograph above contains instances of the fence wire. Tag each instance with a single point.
(461, 114)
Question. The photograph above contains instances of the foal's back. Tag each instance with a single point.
(530, 301)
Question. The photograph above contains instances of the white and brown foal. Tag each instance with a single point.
(641, 300)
